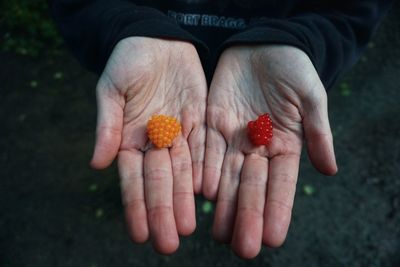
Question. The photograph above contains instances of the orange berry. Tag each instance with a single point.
(162, 130)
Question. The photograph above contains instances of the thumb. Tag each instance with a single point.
(318, 133)
(109, 125)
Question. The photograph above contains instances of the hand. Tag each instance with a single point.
(146, 76)
(255, 186)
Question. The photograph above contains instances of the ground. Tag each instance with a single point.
(56, 211)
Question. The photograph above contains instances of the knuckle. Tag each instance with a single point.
(159, 209)
(280, 204)
(253, 180)
(156, 174)
(286, 178)
(181, 167)
(252, 211)
(183, 195)
(133, 203)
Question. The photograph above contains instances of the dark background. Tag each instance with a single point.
(56, 211)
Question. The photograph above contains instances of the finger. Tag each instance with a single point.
(227, 196)
(109, 126)
(318, 135)
(281, 188)
(214, 157)
(130, 166)
(183, 196)
(246, 241)
(158, 194)
(197, 139)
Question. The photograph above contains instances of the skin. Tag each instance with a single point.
(143, 77)
(255, 185)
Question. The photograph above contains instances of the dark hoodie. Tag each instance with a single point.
(332, 32)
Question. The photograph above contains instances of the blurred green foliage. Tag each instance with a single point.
(26, 28)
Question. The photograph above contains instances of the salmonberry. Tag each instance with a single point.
(260, 130)
(162, 130)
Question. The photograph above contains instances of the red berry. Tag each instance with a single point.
(162, 130)
(260, 130)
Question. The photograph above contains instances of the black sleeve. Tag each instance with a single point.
(92, 28)
(333, 36)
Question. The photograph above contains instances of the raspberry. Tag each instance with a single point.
(260, 130)
(162, 130)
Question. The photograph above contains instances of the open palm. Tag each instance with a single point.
(146, 76)
(255, 186)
